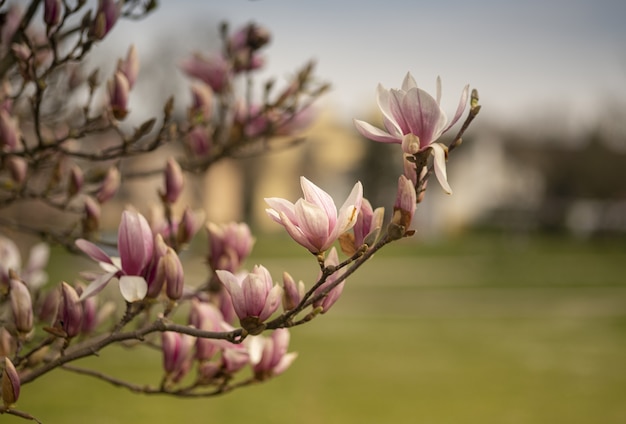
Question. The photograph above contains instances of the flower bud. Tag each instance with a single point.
(49, 307)
(70, 315)
(10, 384)
(118, 95)
(251, 36)
(22, 306)
(130, 66)
(205, 316)
(176, 354)
(333, 295)
(171, 272)
(106, 16)
(189, 225)
(199, 141)
(174, 181)
(91, 219)
(7, 343)
(52, 12)
(292, 292)
(110, 185)
(201, 102)
(403, 209)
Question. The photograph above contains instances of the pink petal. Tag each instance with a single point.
(314, 223)
(424, 116)
(371, 132)
(296, 233)
(233, 286)
(272, 302)
(349, 211)
(135, 243)
(93, 251)
(319, 197)
(96, 285)
(460, 108)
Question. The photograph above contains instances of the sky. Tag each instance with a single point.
(532, 59)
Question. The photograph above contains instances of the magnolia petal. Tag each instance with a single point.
(460, 108)
(278, 205)
(318, 197)
(408, 82)
(314, 223)
(133, 288)
(284, 363)
(93, 251)
(254, 295)
(233, 286)
(96, 285)
(349, 211)
(272, 301)
(135, 242)
(424, 116)
(439, 163)
(371, 132)
(255, 348)
(296, 233)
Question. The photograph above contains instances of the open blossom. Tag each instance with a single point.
(254, 296)
(135, 244)
(415, 119)
(229, 245)
(313, 221)
(214, 70)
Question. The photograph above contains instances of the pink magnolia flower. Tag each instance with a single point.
(214, 70)
(254, 296)
(106, 16)
(177, 358)
(229, 245)
(313, 221)
(415, 119)
(269, 356)
(135, 244)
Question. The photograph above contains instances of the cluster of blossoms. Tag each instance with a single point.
(237, 319)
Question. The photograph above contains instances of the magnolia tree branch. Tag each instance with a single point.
(65, 153)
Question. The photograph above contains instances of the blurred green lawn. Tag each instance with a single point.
(484, 329)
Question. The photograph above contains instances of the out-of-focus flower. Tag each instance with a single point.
(254, 295)
(269, 356)
(110, 185)
(76, 181)
(136, 246)
(10, 384)
(33, 273)
(313, 221)
(214, 70)
(18, 167)
(119, 89)
(244, 44)
(130, 66)
(229, 245)
(415, 119)
(52, 12)
(366, 229)
(201, 102)
(333, 295)
(9, 131)
(176, 354)
(7, 343)
(22, 307)
(199, 140)
(106, 16)
(70, 316)
(174, 181)
(12, 21)
(205, 316)
(91, 218)
(292, 292)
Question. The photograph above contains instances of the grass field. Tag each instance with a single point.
(481, 330)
